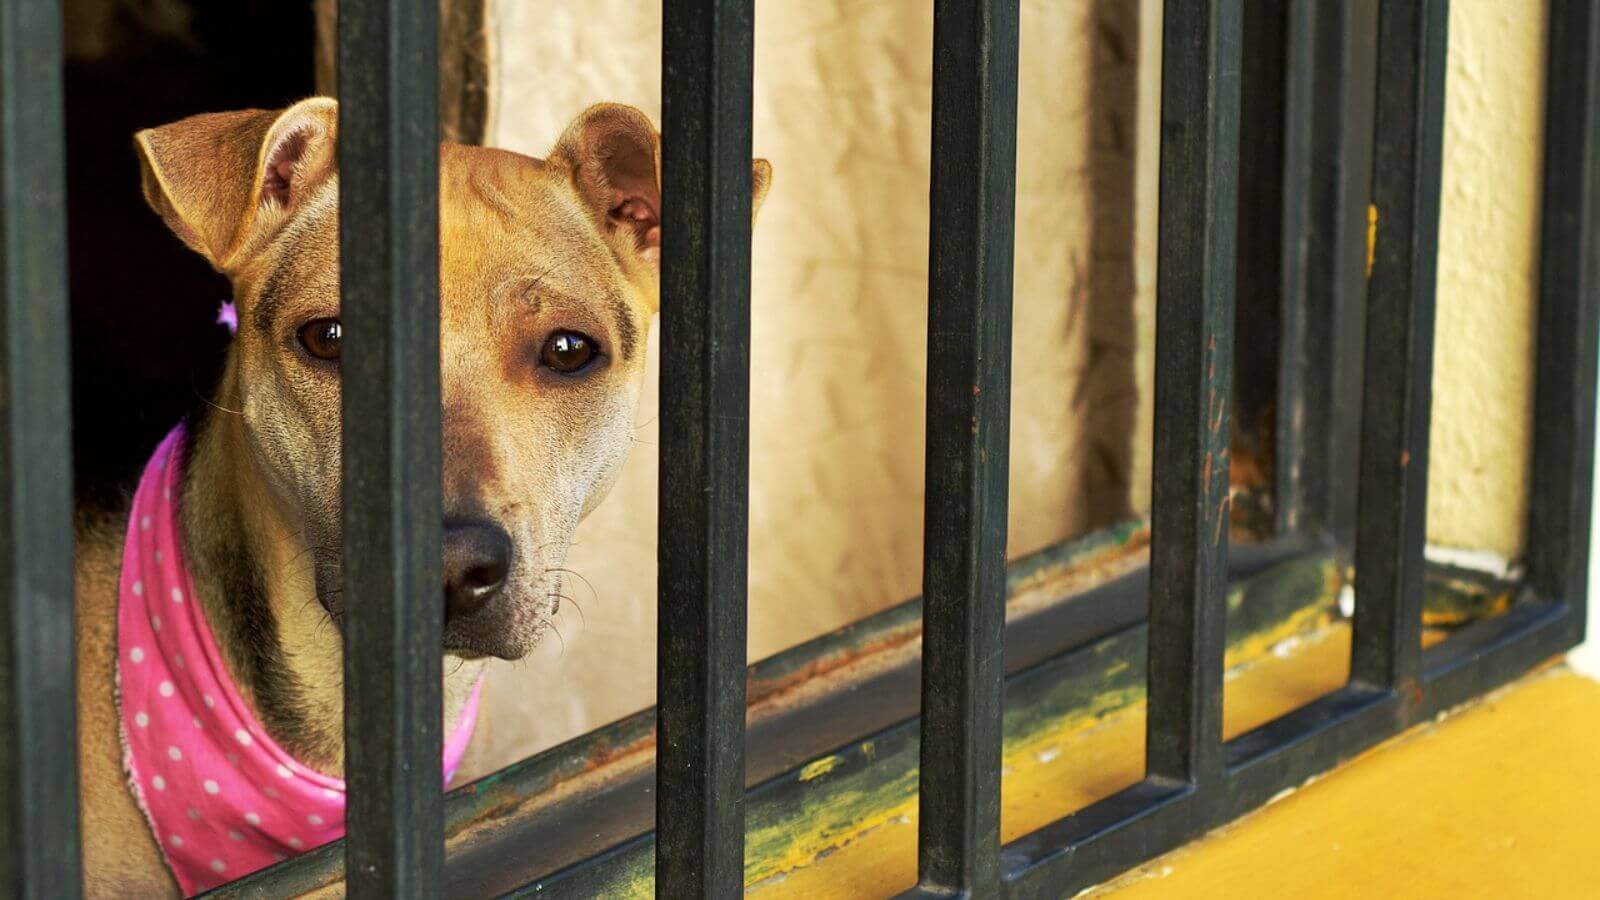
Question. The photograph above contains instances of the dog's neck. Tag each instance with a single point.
(252, 571)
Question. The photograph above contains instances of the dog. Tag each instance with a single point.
(549, 280)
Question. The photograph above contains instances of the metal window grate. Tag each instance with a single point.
(968, 443)
(707, 66)
(388, 150)
(38, 731)
(1195, 780)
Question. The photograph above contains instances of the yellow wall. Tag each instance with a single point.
(1488, 276)
(840, 255)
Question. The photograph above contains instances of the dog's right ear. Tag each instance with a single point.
(226, 182)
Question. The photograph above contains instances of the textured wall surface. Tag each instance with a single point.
(842, 111)
(1488, 276)
(842, 107)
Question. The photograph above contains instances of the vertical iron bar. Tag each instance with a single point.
(389, 270)
(1314, 251)
(1358, 116)
(1267, 146)
(1564, 399)
(1201, 47)
(707, 69)
(973, 203)
(38, 729)
(1392, 495)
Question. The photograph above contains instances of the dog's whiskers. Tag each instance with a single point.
(563, 641)
(578, 575)
(583, 619)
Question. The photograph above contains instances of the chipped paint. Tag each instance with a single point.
(1372, 236)
(820, 767)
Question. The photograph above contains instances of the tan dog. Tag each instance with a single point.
(548, 282)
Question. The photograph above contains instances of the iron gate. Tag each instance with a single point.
(1195, 780)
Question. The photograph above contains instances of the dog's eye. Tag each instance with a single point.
(569, 352)
(321, 338)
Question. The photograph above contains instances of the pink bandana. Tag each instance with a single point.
(223, 799)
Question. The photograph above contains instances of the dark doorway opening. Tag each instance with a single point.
(145, 344)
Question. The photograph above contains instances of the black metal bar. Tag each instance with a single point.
(1564, 397)
(1201, 49)
(1350, 269)
(389, 271)
(1138, 822)
(1267, 146)
(38, 731)
(1054, 643)
(973, 206)
(1392, 505)
(1314, 251)
(707, 70)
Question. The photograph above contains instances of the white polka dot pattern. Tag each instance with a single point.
(227, 800)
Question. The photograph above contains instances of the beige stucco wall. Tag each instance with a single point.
(1488, 276)
(842, 111)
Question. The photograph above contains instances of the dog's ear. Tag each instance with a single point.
(614, 154)
(226, 182)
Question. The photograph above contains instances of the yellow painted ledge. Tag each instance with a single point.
(1501, 800)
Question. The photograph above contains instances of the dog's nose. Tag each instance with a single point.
(477, 558)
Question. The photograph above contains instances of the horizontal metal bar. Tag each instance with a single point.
(1488, 654)
(1311, 740)
(1392, 504)
(1194, 341)
(1562, 474)
(39, 849)
(1150, 818)
(393, 610)
(973, 204)
(707, 69)
(1105, 838)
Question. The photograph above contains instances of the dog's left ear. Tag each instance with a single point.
(226, 182)
(614, 155)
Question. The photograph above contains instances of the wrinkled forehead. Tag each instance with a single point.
(506, 221)
(504, 216)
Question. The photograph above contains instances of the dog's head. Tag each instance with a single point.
(548, 282)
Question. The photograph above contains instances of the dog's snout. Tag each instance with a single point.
(477, 559)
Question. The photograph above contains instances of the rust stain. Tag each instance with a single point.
(1405, 458)
(607, 763)
(769, 690)
(1372, 236)
(767, 695)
